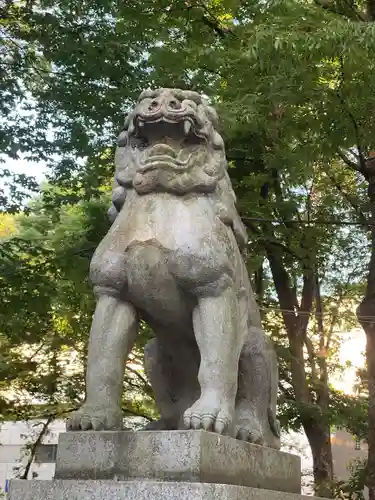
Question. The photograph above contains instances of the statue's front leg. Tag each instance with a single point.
(112, 336)
(220, 339)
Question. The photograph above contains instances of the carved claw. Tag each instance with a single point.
(203, 415)
(250, 435)
(249, 426)
(95, 418)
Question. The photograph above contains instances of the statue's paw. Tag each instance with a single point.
(96, 418)
(207, 413)
(246, 431)
(249, 426)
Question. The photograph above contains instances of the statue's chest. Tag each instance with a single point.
(177, 224)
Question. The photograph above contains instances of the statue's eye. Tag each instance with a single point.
(174, 104)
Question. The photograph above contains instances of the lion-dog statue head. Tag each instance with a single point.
(170, 143)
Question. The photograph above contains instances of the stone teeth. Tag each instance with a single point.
(187, 127)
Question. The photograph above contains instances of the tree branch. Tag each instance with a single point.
(213, 23)
(35, 445)
(146, 386)
(331, 6)
(137, 414)
(306, 301)
(352, 164)
(370, 10)
(138, 375)
(357, 134)
(311, 354)
(263, 240)
(347, 197)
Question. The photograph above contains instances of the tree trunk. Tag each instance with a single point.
(296, 315)
(370, 353)
(318, 435)
(296, 319)
(366, 317)
(364, 312)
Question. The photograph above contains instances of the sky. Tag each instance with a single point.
(352, 349)
(23, 166)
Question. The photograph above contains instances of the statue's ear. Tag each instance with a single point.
(212, 115)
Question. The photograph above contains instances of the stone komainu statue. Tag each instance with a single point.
(173, 257)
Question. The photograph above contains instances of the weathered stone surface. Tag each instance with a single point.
(139, 490)
(173, 257)
(195, 456)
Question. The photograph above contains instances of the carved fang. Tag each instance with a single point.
(187, 127)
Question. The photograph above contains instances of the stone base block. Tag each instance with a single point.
(190, 456)
(139, 490)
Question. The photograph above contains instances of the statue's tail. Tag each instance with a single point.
(274, 378)
(274, 423)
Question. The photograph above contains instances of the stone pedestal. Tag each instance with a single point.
(140, 490)
(163, 465)
(189, 456)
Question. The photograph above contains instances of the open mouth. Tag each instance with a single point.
(182, 130)
(182, 127)
(168, 141)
